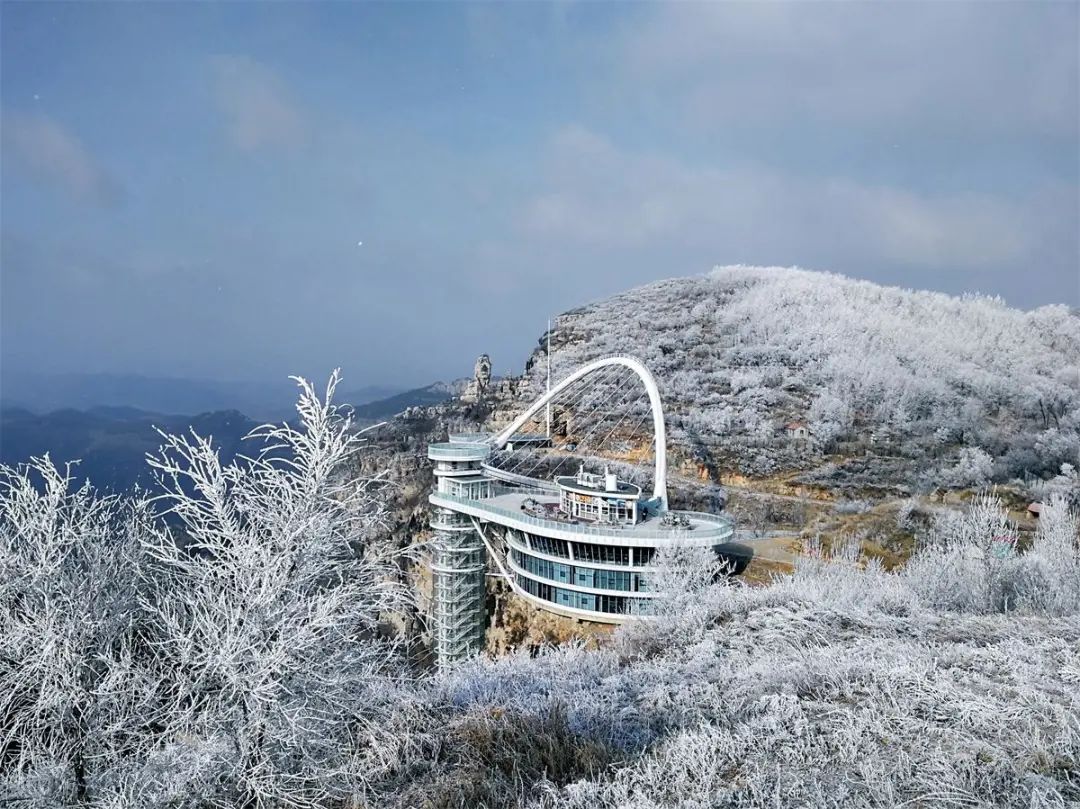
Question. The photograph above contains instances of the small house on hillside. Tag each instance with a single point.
(797, 430)
(1034, 509)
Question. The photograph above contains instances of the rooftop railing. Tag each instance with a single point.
(721, 527)
(470, 452)
(469, 438)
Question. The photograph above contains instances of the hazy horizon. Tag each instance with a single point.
(242, 192)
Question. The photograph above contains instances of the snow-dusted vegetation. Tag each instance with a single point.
(954, 683)
(216, 645)
(973, 389)
(237, 654)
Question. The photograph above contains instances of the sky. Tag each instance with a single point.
(250, 190)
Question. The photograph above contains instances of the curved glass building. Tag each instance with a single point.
(579, 545)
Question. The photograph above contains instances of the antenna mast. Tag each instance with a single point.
(549, 377)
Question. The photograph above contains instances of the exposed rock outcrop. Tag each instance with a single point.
(478, 387)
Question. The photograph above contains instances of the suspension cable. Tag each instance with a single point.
(584, 439)
(594, 389)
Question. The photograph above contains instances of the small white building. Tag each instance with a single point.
(797, 430)
(598, 498)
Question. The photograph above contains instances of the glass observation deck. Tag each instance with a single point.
(581, 545)
(581, 569)
(453, 451)
(506, 507)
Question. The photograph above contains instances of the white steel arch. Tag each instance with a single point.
(659, 433)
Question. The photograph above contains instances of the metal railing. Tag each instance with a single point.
(720, 527)
(511, 477)
(469, 438)
(475, 452)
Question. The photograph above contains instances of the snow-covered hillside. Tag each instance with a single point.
(254, 665)
(984, 391)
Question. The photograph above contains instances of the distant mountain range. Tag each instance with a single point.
(433, 394)
(111, 441)
(44, 393)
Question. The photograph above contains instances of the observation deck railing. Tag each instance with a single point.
(468, 452)
(511, 477)
(721, 527)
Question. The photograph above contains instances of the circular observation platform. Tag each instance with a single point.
(469, 438)
(459, 451)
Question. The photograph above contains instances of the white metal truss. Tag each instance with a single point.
(651, 389)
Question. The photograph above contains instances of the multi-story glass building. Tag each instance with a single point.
(580, 545)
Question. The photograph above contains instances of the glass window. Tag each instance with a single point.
(552, 547)
(585, 601)
(612, 604)
(605, 554)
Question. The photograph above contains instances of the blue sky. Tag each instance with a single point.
(185, 186)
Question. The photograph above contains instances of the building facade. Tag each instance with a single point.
(583, 546)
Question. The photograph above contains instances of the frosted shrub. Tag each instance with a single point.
(973, 468)
(686, 581)
(842, 579)
(852, 506)
(839, 686)
(1053, 562)
(905, 514)
(234, 655)
(272, 614)
(967, 559)
(1065, 484)
(79, 688)
(970, 562)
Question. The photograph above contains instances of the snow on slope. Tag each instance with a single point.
(953, 683)
(986, 391)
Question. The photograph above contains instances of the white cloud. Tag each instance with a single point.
(258, 108)
(600, 196)
(976, 68)
(47, 149)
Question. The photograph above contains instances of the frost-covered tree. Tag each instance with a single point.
(684, 579)
(79, 680)
(230, 649)
(1065, 484)
(271, 614)
(970, 561)
(973, 469)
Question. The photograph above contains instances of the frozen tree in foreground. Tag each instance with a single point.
(271, 613)
(232, 655)
(684, 579)
(972, 563)
(78, 674)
